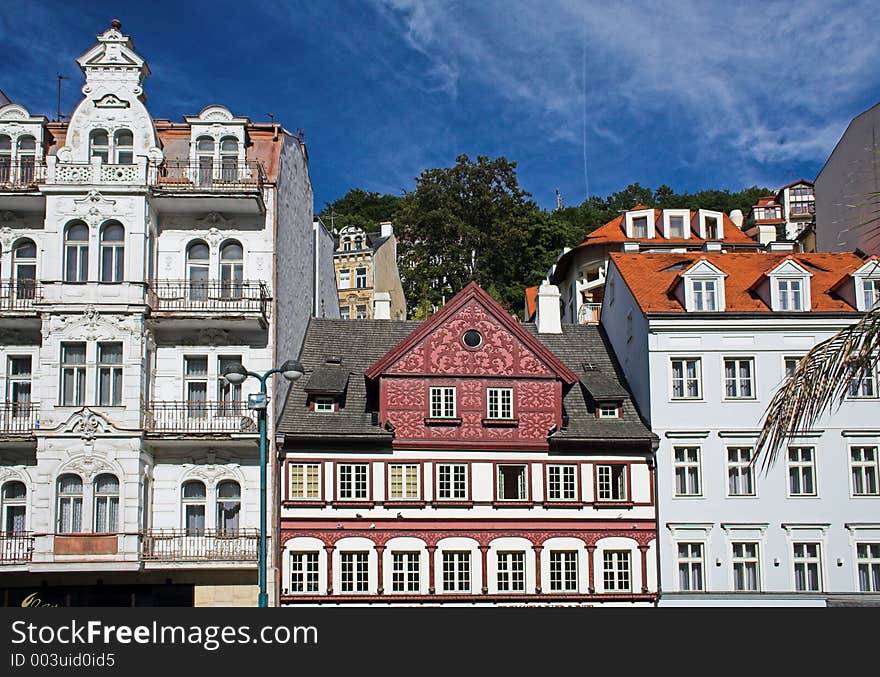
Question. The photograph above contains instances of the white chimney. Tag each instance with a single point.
(777, 246)
(547, 315)
(386, 229)
(630, 247)
(711, 246)
(381, 305)
(737, 217)
(766, 234)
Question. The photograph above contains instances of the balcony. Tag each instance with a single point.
(18, 419)
(16, 547)
(98, 173)
(25, 176)
(232, 302)
(802, 210)
(199, 418)
(589, 313)
(17, 298)
(207, 545)
(193, 186)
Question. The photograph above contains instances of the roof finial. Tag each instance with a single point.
(117, 24)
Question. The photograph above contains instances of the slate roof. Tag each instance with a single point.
(328, 379)
(360, 343)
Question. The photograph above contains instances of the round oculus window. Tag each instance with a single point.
(472, 338)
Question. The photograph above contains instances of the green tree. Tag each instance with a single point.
(359, 208)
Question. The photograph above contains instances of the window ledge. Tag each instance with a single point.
(399, 503)
(302, 503)
(613, 504)
(345, 503)
(563, 504)
(443, 503)
(443, 421)
(501, 422)
(502, 503)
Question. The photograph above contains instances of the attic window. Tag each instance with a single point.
(611, 410)
(325, 405)
(640, 227)
(472, 338)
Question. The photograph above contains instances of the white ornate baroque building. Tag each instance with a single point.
(138, 260)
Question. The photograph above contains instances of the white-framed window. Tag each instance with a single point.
(344, 312)
(807, 558)
(690, 567)
(305, 481)
(229, 158)
(110, 374)
(561, 482)
(511, 571)
(99, 145)
(609, 411)
(228, 394)
(345, 278)
(205, 159)
(868, 564)
(740, 478)
(360, 312)
(686, 461)
(403, 482)
(791, 362)
(70, 504)
(352, 481)
(76, 252)
(563, 570)
(790, 293)
(360, 276)
(443, 402)
(324, 405)
(355, 571)
(686, 378)
(746, 566)
(73, 374)
(456, 571)
(452, 482)
(499, 403)
(405, 570)
(512, 482)
(195, 385)
(228, 507)
(870, 292)
(705, 292)
(231, 270)
(14, 503)
(123, 147)
(27, 158)
(711, 227)
(24, 258)
(865, 387)
(112, 252)
(193, 498)
(304, 572)
(106, 502)
(676, 224)
(640, 227)
(864, 470)
(198, 271)
(18, 384)
(801, 471)
(616, 571)
(739, 378)
(611, 482)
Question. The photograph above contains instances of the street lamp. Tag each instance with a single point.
(236, 375)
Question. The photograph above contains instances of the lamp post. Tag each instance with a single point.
(236, 374)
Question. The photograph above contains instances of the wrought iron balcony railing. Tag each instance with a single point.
(21, 176)
(16, 547)
(199, 417)
(19, 295)
(200, 545)
(18, 418)
(209, 296)
(206, 175)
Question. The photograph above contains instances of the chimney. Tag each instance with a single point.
(737, 217)
(547, 315)
(711, 246)
(630, 247)
(766, 234)
(386, 229)
(381, 305)
(777, 246)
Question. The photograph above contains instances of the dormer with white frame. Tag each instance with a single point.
(219, 135)
(710, 224)
(866, 286)
(639, 224)
(677, 224)
(790, 287)
(703, 285)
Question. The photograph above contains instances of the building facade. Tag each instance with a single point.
(464, 460)
(705, 340)
(784, 216)
(138, 261)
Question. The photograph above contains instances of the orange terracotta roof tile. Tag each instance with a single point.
(531, 300)
(615, 231)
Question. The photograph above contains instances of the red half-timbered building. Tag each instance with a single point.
(467, 459)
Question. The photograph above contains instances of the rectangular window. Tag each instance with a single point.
(690, 566)
(807, 567)
(687, 471)
(740, 479)
(18, 385)
(452, 482)
(324, 405)
(866, 387)
(863, 465)
(801, 471)
(304, 572)
(110, 374)
(456, 571)
(195, 385)
(611, 482)
(352, 481)
(686, 378)
(403, 482)
(361, 278)
(561, 482)
(676, 226)
(640, 227)
(499, 403)
(791, 364)
(73, 374)
(790, 294)
(705, 295)
(344, 313)
(405, 572)
(563, 571)
(609, 411)
(345, 278)
(305, 481)
(713, 232)
(355, 572)
(512, 483)
(360, 312)
(616, 571)
(871, 293)
(746, 567)
(443, 402)
(511, 572)
(739, 378)
(228, 394)
(868, 561)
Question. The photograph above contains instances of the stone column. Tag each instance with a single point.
(591, 585)
(644, 550)
(329, 550)
(537, 549)
(484, 556)
(431, 550)
(380, 555)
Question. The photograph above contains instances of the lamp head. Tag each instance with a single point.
(235, 374)
(292, 370)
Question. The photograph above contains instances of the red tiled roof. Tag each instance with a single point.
(531, 301)
(615, 231)
(648, 276)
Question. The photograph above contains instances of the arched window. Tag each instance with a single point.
(197, 269)
(70, 503)
(99, 145)
(106, 512)
(205, 160)
(5, 158)
(192, 497)
(123, 146)
(346, 244)
(112, 252)
(358, 242)
(27, 158)
(24, 261)
(14, 499)
(231, 269)
(228, 506)
(76, 252)
(229, 159)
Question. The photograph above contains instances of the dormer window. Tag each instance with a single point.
(789, 287)
(609, 410)
(640, 224)
(640, 227)
(870, 293)
(790, 293)
(866, 282)
(676, 224)
(704, 288)
(711, 225)
(324, 405)
(705, 295)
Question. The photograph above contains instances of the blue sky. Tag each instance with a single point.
(585, 97)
